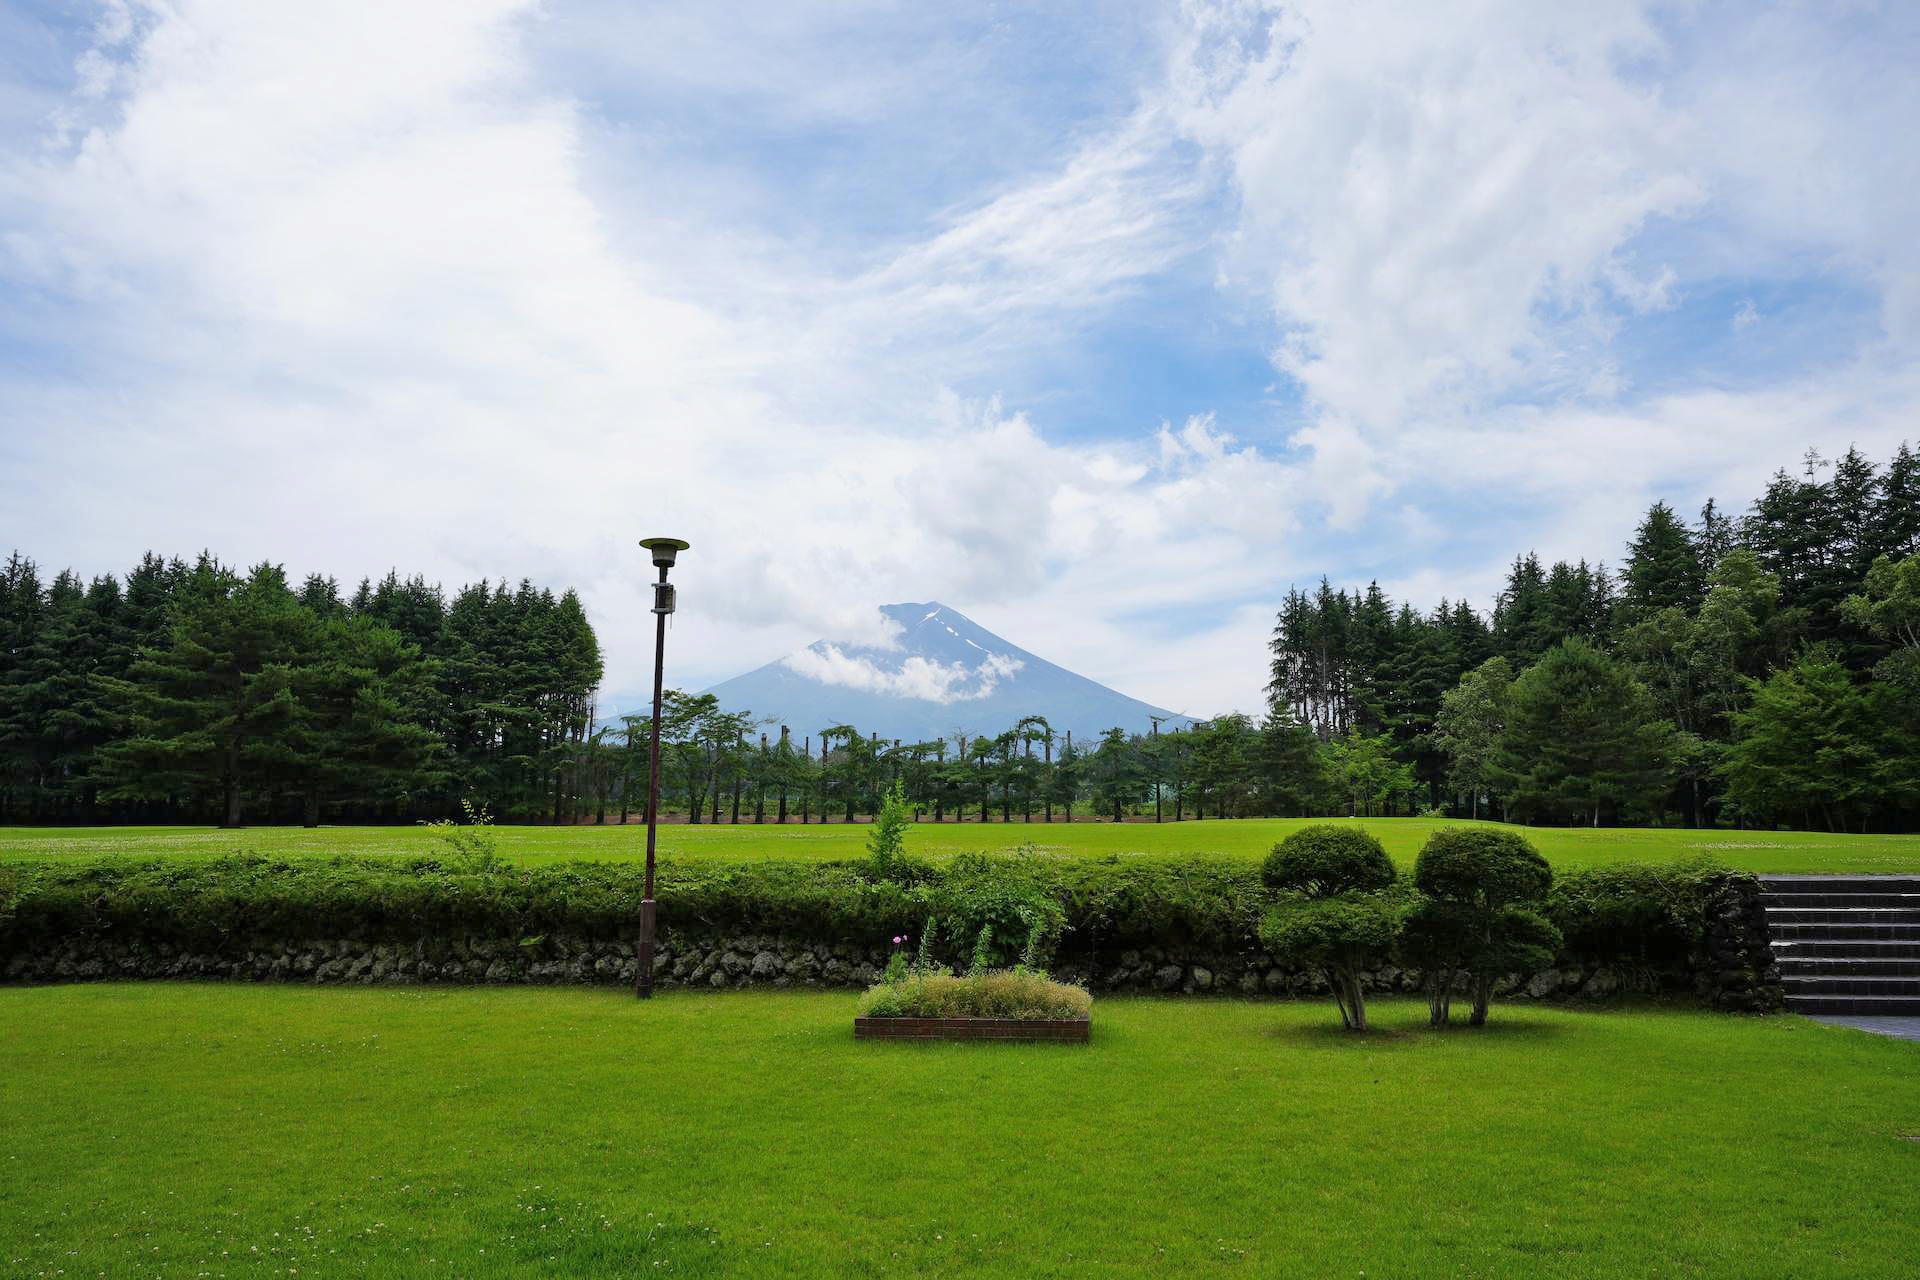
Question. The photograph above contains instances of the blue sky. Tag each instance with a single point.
(1102, 324)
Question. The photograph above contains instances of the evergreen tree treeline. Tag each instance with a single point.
(192, 692)
(725, 766)
(1764, 669)
(1760, 670)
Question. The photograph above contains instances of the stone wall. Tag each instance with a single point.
(678, 961)
(1738, 977)
(1736, 971)
(1732, 967)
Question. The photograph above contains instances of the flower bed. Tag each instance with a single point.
(1002, 1004)
(1070, 1029)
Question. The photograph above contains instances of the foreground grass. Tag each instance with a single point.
(1784, 851)
(256, 1131)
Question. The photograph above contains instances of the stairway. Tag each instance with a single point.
(1846, 944)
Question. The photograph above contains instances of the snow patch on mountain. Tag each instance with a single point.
(927, 671)
(915, 677)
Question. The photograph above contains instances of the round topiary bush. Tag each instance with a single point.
(1483, 895)
(1486, 868)
(1325, 861)
(1342, 937)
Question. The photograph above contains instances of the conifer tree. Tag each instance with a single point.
(1583, 740)
(1663, 569)
(208, 706)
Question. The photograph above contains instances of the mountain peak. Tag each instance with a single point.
(939, 673)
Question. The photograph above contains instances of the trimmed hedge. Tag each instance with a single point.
(204, 902)
(1653, 919)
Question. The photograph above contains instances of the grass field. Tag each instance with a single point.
(1249, 838)
(206, 1130)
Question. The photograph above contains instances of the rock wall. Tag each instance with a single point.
(1735, 971)
(1731, 967)
(680, 961)
(1734, 976)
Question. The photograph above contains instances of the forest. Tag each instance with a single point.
(1760, 669)
(193, 693)
(1754, 670)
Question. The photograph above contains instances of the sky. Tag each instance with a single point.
(1103, 324)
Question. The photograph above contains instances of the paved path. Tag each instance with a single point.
(1898, 1028)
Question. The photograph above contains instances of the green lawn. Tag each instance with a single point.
(1566, 847)
(207, 1130)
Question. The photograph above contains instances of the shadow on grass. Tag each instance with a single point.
(1331, 1035)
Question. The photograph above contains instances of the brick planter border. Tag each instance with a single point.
(1070, 1030)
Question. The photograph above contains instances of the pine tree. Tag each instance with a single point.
(210, 704)
(1583, 740)
(1522, 627)
(362, 692)
(1291, 767)
(1897, 514)
(22, 613)
(1116, 773)
(1663, 569)
(1716, 536)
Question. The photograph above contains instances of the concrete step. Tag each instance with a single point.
(1842, 966)
(1832, 932)
(1831, 900)
(1840, 884)
(1891, 914)
(1879, 1006)
(1848, 948)
(1800, 985)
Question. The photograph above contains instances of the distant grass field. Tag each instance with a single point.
(1782, 851)
(231, 1130)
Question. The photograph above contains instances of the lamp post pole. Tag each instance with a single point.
(663, 604)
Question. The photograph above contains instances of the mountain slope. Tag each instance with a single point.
(943, 673)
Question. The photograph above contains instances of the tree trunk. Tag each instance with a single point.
(232, 782)
(1482, 997)
(311, 815)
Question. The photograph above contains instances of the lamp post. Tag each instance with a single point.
(664, 550)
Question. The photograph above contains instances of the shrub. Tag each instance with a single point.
(1175, 902)
(1482, 893)
(1001, 993)
(208, 903)
(887, 837)
(999, 910)
(1325, 861)
(1341, 937)
(1637, 916)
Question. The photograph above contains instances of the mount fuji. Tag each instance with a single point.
(942, 673)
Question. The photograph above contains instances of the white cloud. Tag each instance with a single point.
(1437, 197)
(357, 286)
(914, 677)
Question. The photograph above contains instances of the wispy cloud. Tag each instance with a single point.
(356, 286)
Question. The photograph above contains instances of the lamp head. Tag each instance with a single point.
(664, 549)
